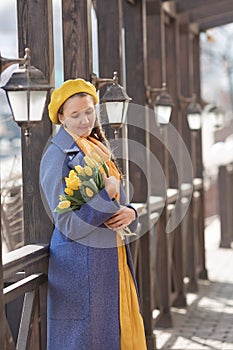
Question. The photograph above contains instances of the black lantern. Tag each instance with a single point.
(162, 105)
(194, 113)
(27, 92)
(217, 116)
(115, 99)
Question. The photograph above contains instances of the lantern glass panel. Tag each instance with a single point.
(27, 105)
(18, 103)
(115, 112)
(163, 114)
(37, 103)
(194, 121)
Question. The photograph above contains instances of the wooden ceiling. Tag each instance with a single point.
(207, 13)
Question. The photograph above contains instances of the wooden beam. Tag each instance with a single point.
(189, 5)
(31, 16)
(216, 21)
(205, 12)
(77, 46)
(209, 13)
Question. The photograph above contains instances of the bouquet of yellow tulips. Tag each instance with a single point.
(82, 184)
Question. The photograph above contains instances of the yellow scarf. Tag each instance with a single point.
(131, 322)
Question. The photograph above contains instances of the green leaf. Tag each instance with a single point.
(105, 169)
(61, 211)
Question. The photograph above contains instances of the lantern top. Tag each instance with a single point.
(115, 92)
(27, 78)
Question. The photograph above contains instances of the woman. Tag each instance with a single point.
(92, 296)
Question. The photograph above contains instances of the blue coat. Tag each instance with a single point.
(83, 288)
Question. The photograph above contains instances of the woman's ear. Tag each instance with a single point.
(60, 117)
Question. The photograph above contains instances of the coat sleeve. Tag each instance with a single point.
(76, 224)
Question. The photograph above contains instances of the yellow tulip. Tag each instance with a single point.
(79, 169)
(69, 191)
(88, 170)
(89, 192)
(64, 204)
(74, 184)
(72, 174)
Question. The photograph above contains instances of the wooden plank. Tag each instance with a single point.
(21, 258)
(25, 330)
(35, 31)
(77, 39)
(27, 284)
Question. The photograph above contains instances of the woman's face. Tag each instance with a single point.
(79, 115)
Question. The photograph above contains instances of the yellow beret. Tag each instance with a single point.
(66, 90)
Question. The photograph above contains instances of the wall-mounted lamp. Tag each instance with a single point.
(26, 92)
(217, 115)
(162, 104)
(193, 112)
(115, 100)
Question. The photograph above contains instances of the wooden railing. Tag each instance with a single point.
(169, 264)
(225, 195)
(25, 276)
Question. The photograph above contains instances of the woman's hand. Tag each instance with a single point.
(111, 185)
(121, 219)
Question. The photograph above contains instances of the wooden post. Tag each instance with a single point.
(135, 24)
(110, 55)
(172, 73)
(186, 86)
(35, 31)
(203, 274)
(156, 70)
(77, 47)
(224, 209)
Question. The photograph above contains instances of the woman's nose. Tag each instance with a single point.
(85, 120)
